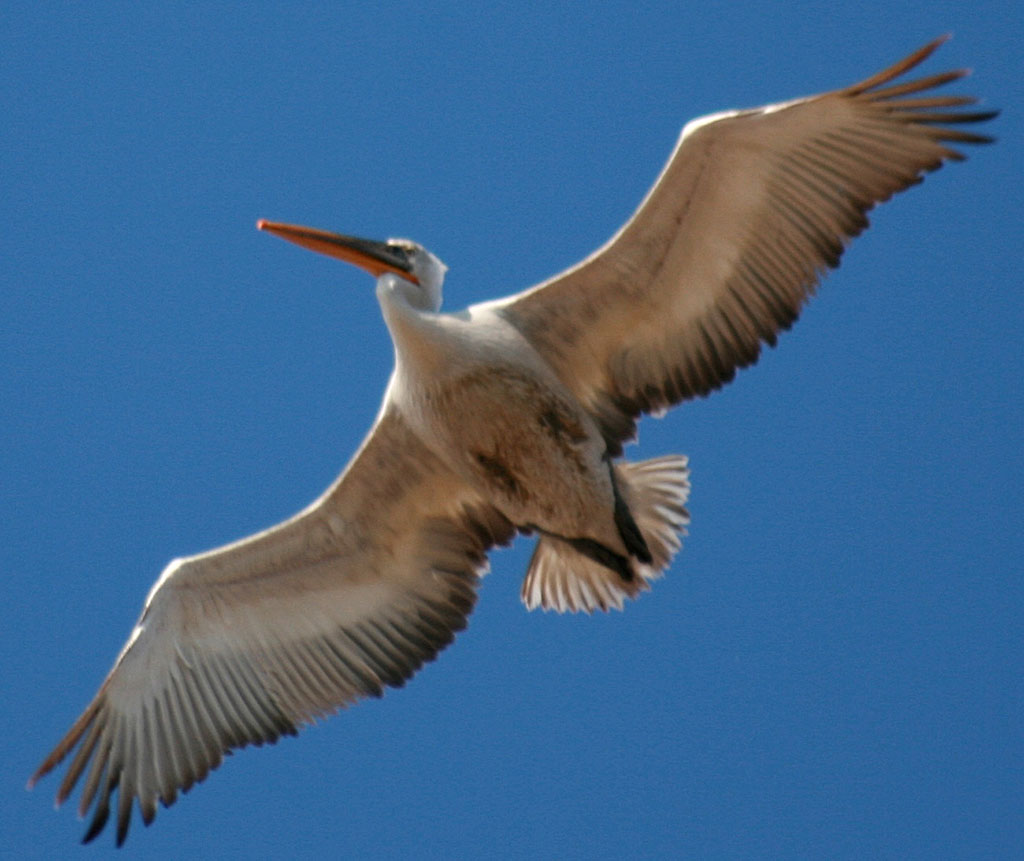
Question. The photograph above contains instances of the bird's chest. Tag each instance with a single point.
(525, 444)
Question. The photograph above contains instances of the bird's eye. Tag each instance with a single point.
(401, 256)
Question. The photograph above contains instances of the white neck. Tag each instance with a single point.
(418, 334)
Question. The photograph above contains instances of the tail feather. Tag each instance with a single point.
(562, 578)
(656, 491)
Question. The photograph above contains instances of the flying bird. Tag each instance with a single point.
(508, 417)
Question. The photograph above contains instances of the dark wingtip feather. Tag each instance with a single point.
(953, 117)
(897, 69)
(97, 824)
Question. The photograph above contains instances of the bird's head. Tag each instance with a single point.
(398, 263)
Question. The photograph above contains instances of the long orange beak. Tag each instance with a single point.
(368, 254)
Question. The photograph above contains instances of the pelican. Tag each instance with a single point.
(509, 417)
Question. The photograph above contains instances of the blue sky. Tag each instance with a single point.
(832, 666)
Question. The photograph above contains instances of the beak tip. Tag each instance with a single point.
(371, 256)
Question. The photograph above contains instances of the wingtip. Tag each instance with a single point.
(97, 825)
(44, 769)
(926, 50)
(903, 66)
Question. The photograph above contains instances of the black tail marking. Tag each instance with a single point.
(626, 524)
(603, 556)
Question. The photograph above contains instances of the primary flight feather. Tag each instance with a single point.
(249, 642)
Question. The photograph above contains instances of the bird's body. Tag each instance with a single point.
(508, 417)
(482, 398)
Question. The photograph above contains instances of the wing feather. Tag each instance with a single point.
(752, 209)
(247, 643)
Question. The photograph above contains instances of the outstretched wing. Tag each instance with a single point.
(751, 210)
(246, 643)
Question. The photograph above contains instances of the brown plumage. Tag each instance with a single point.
(506, 417)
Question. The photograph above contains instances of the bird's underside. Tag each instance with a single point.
(249, 642)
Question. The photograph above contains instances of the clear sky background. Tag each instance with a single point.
(833, 666)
